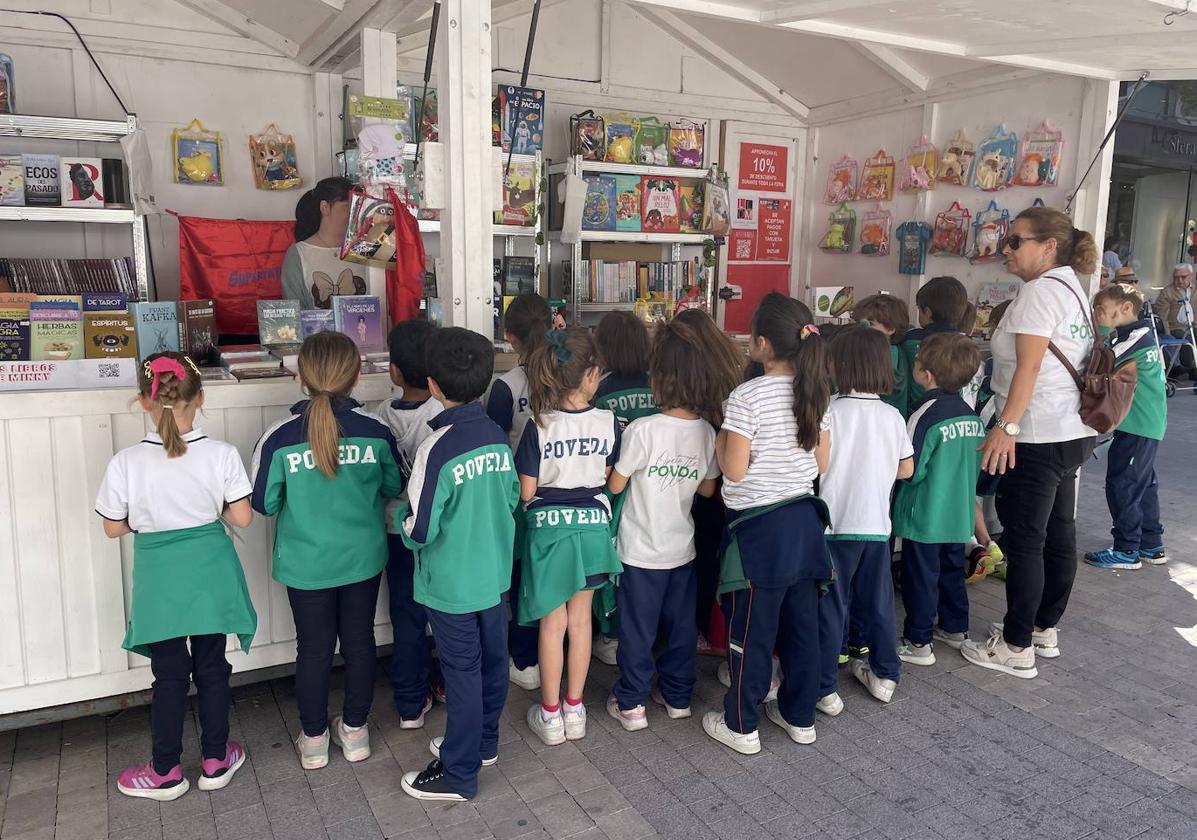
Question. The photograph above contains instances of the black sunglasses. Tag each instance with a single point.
(1014, 241)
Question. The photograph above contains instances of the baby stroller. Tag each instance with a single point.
(1170, 348)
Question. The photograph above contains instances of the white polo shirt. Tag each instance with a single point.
(156, 493)
(870, 440)
(408, 422)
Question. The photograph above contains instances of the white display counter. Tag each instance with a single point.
(64, 587)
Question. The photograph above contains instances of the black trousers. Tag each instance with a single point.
(174, 667)
(322, 617)
(1036, 502)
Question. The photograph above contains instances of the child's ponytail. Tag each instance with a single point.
(171, 380)
(556, 366)
(328, 369)
(812, 386)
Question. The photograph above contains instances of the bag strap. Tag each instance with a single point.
(1051, 345)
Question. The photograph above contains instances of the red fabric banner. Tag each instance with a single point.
(236, 262)
(405, 283)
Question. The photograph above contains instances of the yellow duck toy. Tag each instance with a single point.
(197, 167)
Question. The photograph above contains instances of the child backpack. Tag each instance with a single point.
(956, 160)
(841, 181)
(993, 169)
(922, 160)
(877, 179)
(874, 232)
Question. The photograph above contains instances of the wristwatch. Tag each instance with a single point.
(1012, 429)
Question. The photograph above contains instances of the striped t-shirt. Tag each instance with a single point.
(762, 410)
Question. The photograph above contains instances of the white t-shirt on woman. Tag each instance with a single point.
(1045, 307)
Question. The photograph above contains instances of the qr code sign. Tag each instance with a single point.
(109, 370)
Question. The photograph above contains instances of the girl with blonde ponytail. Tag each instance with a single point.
(326, 472)
(171, 491)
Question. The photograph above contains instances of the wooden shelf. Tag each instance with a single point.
(434, 226)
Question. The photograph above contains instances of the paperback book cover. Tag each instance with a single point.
(598, 210)
(12, 181)
(14, 335)
(16, 300)
(627, 202)
(990, 296)
(692, 207)
(105, 302)
(519, 275)
(660, 204)
(278, 321)
(55, 331)
(360, 318)
(73, 301)
(522, 111)
(197, 330)
(212, 375)
(109, 335)
(312, 321)
(157, 326)
(82, 181)
(519, 195)
(42, 185)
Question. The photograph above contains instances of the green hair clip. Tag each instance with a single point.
(557, 339)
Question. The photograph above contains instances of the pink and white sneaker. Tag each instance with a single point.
(218, 772)
(144, 783)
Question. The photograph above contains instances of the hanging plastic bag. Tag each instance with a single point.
(273, 156)
(686, 141)
(198, 155)
(841, 230)
(652, 142)
(913, 238)
(1039, 164)
(989, 231)
(994, 167)
(922, 160)
(371, 236)
(841, 181)
(874, 232)
(621, 139)
(956, 162)
(877, 179)
(950, 234)
(381, 124)
(716, 208)
(587, 136)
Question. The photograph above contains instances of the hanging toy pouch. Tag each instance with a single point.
(993, 169)
(686, 141)
(950, 234)
(877, 179)
(652, 142)
(371, 237)
(1039, 163)
(8, 85)
(922, 162)
(587, 136)
(273, 156)
(841, 230)
(874, 232)
(621, 139)
(913, 238)
(956, 161)
(841, 181)
(989, 231)
(381, 125)
(716, 208)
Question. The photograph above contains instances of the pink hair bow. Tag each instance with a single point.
(159, 366)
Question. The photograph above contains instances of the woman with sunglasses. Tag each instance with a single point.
(1039, 441)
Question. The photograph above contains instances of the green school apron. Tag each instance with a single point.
(606, 621)
(187, 582)
(563, 546)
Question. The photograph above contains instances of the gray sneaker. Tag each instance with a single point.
(355, 743)
(913, 654)
(952, 640)
(879, 687)
(313, 752)
(996, 655)
(1046, 642)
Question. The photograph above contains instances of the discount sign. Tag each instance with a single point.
(763, 167)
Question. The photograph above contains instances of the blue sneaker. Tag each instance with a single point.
(1153, 556)
(1108, 558)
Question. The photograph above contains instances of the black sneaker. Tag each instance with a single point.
(430, 783)
(858, 651)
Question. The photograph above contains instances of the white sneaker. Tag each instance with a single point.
(526, 678)
(417, 722)
(879, 687)
(831, 705)
(632, 720)
(551, 731)
(313, 752)
(798, 734)
(714, 725)
(953, 640)
(434, 747)
(996, 655)
(913, 654)
(674, 714)
(355, 743)
(603, 648)
(575, 721)
(723, 674)
(1046, 642)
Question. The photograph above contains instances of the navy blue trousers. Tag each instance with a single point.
(473, 656)
(174, 667)
(933, 584)
(759, 619)
(652, 601)
(411, 661)
(1133, 493)
(864, 589)
(524, 642)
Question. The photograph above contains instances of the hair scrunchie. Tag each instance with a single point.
(556, 339)
(864, 322)
(163, 364)
(807, 331)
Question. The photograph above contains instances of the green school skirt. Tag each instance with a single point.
(188, 582)
(563, 546)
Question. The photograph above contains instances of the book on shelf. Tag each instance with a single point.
(263, 361)
(599, 206)
(519, 275)
(627, 202)
(82, 182)
(105, 302)
(521, 114)
(157, 325)
(626, 281)
(216, 376)
(12, 181)
(197, 330)
(519, 195)
(233, 352)
(360, 318)
(14, 334)
(312, 321)
(16, 300)
(262, 373)
(42, 184)
(660, 204)
(278, 321)
(109, 335)
(60, 276)
(55, 331)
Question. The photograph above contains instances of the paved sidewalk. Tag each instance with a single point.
(1102, 746)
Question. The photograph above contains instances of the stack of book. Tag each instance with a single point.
(62, 276)
(627, 280)
(250, 361)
